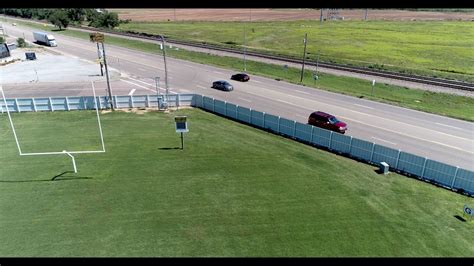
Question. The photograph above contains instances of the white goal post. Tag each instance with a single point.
(69, 153)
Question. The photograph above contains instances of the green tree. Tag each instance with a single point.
(105, 20)
(21, 42)
(76, 14)
(59, 19)
(2, 40)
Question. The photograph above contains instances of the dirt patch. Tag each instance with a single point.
(240, 14)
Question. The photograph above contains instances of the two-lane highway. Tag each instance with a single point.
(440, 138)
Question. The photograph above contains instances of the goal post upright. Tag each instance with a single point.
(10, 118)
(63, 152)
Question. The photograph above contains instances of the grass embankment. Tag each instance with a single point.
(433, 48)
(234, 191)
(438, 103)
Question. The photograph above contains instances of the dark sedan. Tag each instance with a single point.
(222, 85)
(240, 77)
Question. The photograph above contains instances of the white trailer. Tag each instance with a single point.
(44, 38)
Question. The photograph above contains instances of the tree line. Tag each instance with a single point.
(62, 17)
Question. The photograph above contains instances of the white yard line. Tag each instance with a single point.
(131, 92)
(385, 141)
(363, 106)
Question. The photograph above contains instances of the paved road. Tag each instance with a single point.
(440, 138)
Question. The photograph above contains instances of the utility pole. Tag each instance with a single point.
(304, 55)
(107, 76)
(366, 10)
(166, 69)
(245, 49)
(157, 82)
(100, 61)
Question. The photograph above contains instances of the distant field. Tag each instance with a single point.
(232, 191)
(288, 14)
(435, 48)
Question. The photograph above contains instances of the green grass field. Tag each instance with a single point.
(232, 191)
(455, 106)
(434, 48)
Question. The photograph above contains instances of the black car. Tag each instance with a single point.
(222, 85)
(240, 77)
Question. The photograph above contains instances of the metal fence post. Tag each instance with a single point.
(51, 104)
(213, 105)
(131, 101)
(294, 129)
(147, 101)
(424, 167)
(372, 155)
(236, 112)
(330, 139)
(398, 158)
(84, 102)
(114, 99)
(98, 103)
(67, 104)
(279, 124)
(350, 146)
(34, 104)
(177, 101)
(225, 108)
(263, 119)
(17, 106)
(312, 131)
(455, 175)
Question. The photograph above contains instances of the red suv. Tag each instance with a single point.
(327, 121)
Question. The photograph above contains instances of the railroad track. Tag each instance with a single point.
(460, 85)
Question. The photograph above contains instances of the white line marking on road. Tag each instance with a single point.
(363, 106)
(304, 92)
(447, 126)
(217, 72)
(140, 81)
(132, 91)
(202, 87)
(301, 116)
(141, 69)
(138, 85)
(184, 90)
(393, 143)
(245, 100)
(285, 102)
(257, 81)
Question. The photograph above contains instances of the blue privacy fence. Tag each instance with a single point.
(87, 102)
(448, 176)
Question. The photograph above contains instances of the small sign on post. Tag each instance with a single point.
(181, 127)
(96, 37)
